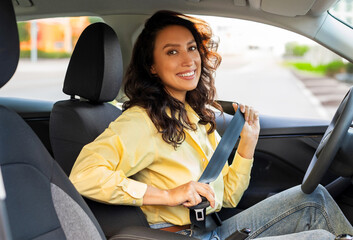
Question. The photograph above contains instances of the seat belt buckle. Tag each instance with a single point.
(200, 209)
(240, 234)
(200, 216)
(198, 213)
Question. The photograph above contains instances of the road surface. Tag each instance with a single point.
(260, 79)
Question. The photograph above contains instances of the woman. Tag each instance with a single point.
(154, 153)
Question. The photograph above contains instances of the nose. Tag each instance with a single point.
(187, 59)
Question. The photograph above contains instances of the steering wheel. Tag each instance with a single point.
(329, 145)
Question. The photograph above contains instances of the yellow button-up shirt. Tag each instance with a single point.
(130, 154)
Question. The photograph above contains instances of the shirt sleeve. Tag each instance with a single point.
(103, 170)
(236, 180)
(236, 177)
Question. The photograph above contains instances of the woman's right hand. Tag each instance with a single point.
(189, 194)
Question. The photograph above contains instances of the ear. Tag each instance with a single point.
(153, 70)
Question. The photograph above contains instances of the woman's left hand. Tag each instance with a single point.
(250, 133)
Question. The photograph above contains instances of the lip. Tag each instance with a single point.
(184, 75)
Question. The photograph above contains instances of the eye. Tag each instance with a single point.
(172, 52)
(193, 48)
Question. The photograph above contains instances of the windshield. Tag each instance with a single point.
(343, 11)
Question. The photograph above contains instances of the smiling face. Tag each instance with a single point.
(177, 61)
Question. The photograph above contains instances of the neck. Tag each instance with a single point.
(181, 97)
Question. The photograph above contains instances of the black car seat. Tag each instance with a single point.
(41, 202)
(94, 75)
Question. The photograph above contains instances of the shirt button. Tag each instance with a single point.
(134, 202)
(203, 160)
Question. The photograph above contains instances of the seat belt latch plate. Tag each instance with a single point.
(199, 214)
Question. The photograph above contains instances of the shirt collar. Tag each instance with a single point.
(192, 115)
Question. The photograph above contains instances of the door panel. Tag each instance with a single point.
(280, 163)
(283, 153)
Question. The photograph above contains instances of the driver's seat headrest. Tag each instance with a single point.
(95, 70)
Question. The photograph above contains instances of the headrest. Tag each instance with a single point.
(9, 43)
(95, 70)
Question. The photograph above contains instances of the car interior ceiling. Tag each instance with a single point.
(283, 8)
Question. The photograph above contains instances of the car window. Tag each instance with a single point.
(278, 72)
(343, 10)
(45, 49)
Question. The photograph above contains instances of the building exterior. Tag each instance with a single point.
(53, 35)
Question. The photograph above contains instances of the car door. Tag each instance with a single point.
(295, 106)
(283, 153)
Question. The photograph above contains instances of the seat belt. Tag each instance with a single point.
(215, 166)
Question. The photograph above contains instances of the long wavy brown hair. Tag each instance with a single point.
(146, 90)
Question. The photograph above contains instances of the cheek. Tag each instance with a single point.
(198, 63)
(198, 60)
(167, 64)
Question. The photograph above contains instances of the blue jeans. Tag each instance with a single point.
(287, 215)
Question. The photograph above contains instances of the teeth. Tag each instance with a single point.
(187, 74)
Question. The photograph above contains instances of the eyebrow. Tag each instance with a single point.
(177, 45)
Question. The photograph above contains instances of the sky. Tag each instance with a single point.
(236, 35)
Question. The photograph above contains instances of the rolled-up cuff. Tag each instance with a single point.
(134, 189)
